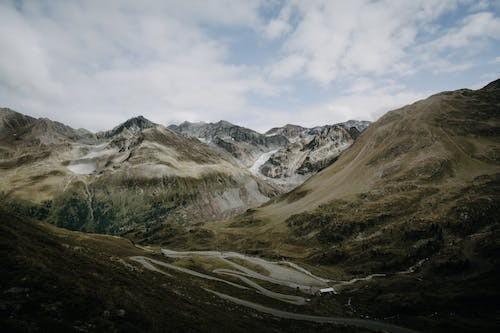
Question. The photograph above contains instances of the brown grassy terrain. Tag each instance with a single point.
(139, 179)
(415, 197)
(58, 280)
(422, 184)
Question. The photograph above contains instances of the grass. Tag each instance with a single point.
(60, 280)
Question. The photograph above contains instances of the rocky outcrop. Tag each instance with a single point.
(131, 126)
(289, 131)
(308, 150)
(137, 173)
(20, 130)
(244, 144)
(292, 153)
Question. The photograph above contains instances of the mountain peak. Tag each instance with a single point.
(492, 85)
(289, 130)
(134, 125)
(12, 121)
(224, 123)
(292, 126)
(138, 120)
(360, 125)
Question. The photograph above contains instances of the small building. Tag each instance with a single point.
(327, 291)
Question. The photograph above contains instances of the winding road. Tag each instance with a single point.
(354, 322)
(282, 273)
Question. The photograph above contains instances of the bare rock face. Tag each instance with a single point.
(244, 144)
(289, 131)
(135, 174)
(283, 156)
(18, 130)
(309, 150)
(141, 172)
(131, 126)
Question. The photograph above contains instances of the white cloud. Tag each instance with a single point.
(475, 27)
(360, 84)
(287, 66)
(341, 39)
(276, 28)
(371, 105)
(279, 25)
(95, 63)
(23, 61)
(122, 59)
(363, 105)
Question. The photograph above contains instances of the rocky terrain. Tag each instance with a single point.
(308, 151)
(243, 144)
(56, 280)
(140, 174)
(283, 156)
(137, 173)
(402, 226)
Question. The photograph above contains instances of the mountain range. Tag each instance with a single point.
(283, 156)
(390, 226)
(141, 173)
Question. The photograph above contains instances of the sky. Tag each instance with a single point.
(263, 63)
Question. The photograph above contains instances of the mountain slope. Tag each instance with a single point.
(414, 200)
(17, 129)
(138, 173)
(308, 151)
(55, 280)
(132, 125)
(448, 139)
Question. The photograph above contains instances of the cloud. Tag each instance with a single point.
(122, 59)
(475, 27)
(337, 40)
(276, 28)
(95, 63)
(364, 104)
(287, 66)
(371, 105)
(360, 85)
(23, 63)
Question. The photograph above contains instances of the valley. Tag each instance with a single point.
(240, 166)
(178, 233)
(281, 273)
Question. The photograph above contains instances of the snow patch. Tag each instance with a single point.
(82, 168)
(255, 168)
(86, 164)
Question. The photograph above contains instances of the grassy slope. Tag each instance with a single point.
(151, 177)
(425, 150)
(422, 183)
(59, 280)
(419, 136)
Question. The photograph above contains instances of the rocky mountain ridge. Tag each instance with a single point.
(283, 156)
(244, 144)
(142, 173)
(135, 174)
(308, 151)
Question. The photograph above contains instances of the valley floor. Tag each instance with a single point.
(55, 279)
(282, 273)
